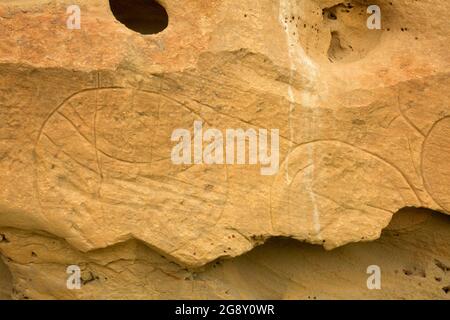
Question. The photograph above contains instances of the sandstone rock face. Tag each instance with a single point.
(86, 149)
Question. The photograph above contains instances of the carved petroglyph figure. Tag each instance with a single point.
(87, 117)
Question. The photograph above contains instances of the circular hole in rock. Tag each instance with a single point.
(143, 16)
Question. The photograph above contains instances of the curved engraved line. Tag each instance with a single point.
(205, 228)
(102, 89)
(39, 137)
(207, 122)
(407, 120)
(298, 172)
(291, 181)
(233, 117)
(69, 156)
(426, 186)
(367, 151)
(94, 134)
(35, 154)
(94, 144)
(178, 102)
(357, 148)
(288, 187)
(59, 106)
(41, 131)
(236, 118)
(99, 150)
(411, 156)
(415, 128)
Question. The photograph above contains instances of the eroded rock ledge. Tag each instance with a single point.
(412, 253)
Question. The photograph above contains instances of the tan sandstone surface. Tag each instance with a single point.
(87, 179)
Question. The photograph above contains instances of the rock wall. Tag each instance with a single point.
(357, 120)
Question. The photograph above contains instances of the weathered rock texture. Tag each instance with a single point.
(86, 118)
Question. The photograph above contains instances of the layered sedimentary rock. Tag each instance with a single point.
(412, 254)
(87, 117)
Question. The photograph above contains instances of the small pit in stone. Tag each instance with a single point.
(143, 16)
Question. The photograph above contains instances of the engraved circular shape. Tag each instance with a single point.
(104, 168)
(308, 196)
